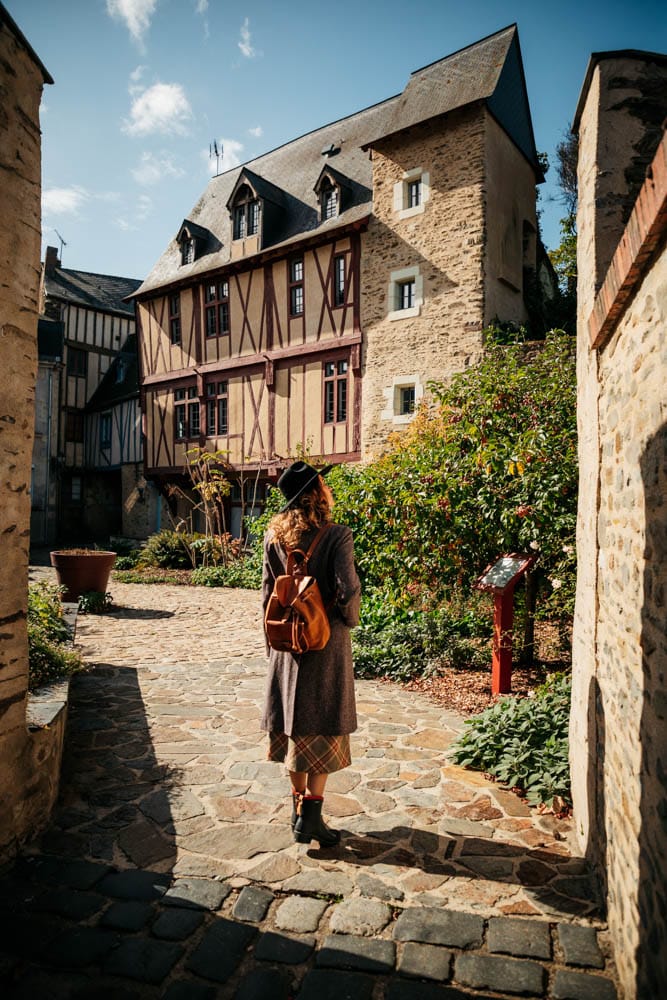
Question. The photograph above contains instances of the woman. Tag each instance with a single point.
(310, 707)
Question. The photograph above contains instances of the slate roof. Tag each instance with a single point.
(121, 380)
(490, 70)
(102, 292)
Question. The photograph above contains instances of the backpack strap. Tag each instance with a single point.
(303, 563)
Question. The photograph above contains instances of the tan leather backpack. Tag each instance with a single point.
(296, 619)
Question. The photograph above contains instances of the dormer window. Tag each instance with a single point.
(187, 251)
(245, 213)
(329, 200)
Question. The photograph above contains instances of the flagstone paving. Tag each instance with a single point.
(170, 868)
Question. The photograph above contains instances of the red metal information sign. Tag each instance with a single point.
(500, 578)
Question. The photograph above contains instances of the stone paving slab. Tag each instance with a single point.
(167, 797)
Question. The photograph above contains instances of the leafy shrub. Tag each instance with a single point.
(168, 550)
(246, 572)
(128, 561)
(490, 468)
(523, 742)
(49, 658)
(94, 602)
(414, 642)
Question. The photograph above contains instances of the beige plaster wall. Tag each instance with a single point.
(618, 731)
(445, 242)
(510, 202)
(20, 158)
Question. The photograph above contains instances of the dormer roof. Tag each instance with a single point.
(489, 71)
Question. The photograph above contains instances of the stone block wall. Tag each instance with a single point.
(618, 732)
(445, 243)
(145, 510)
(21, 81)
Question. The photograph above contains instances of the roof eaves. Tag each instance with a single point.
(6, 18)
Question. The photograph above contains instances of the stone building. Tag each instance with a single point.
(313, 292)
(619, 715)
(29, 761)
(95, 462)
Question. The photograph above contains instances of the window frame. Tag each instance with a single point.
(339, 295)
(106, 424)
(77, 362)
(329, 200)
(296, 287)
(217, 307)
(175, 318)
(246, 214)
(217, 403)
(74, 426)
(411, 180)
(335, 391)
(398, 307)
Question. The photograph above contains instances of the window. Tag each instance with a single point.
(216, 297)
(75, 489)
(187, 250)
(193, 412)
(414, 193)
(180, 428)
(406, 400)
(175, 318)
(339, 281)
(245, 214)
(74, 426)
(105, 431)
(405, 293)
(329, 200)
(335, 392)
(411, 193)
(296, 287)
(77, 362)
(217, 408)
(402, 398)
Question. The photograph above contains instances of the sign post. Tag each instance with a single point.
(500, 578)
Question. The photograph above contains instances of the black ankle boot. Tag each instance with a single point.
(296, 803)
(310, 825)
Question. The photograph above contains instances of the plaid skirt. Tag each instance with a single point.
(317, 754)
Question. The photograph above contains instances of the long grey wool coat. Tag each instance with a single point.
(312, 694)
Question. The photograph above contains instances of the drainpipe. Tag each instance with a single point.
(47, 487)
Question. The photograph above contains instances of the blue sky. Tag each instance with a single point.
(142, 88)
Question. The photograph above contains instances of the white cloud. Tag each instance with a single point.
(152, 169)
(201, 7)
(136, 14)
(246, 48)
(162, 108)
(64, 201)
(231, 155)
(135, 86)
(257, 131)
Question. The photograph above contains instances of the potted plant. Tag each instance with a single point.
(81, 570)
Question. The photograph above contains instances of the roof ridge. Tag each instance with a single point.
(471, 45)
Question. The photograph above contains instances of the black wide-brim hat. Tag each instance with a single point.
(297, 479)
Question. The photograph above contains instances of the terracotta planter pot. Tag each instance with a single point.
(80, 572)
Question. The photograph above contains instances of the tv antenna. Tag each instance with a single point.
(217, 151)
(62, 244)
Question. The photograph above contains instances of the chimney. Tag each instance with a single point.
(51, 262)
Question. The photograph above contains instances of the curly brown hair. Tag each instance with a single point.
(312, 511)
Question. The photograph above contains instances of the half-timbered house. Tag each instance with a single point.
(313, 292)
(96, 474)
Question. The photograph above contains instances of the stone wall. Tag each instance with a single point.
(445, 243)
(145, 510)
(619, 715)
(21, 81)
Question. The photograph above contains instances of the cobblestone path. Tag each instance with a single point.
(170, 868)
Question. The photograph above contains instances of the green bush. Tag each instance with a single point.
(94, 602)
(49, 658)
(490, 468)
(523, 742)
(245, 572)
(167, 550)
(405, 644)
(128, 561)
(147, 575)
